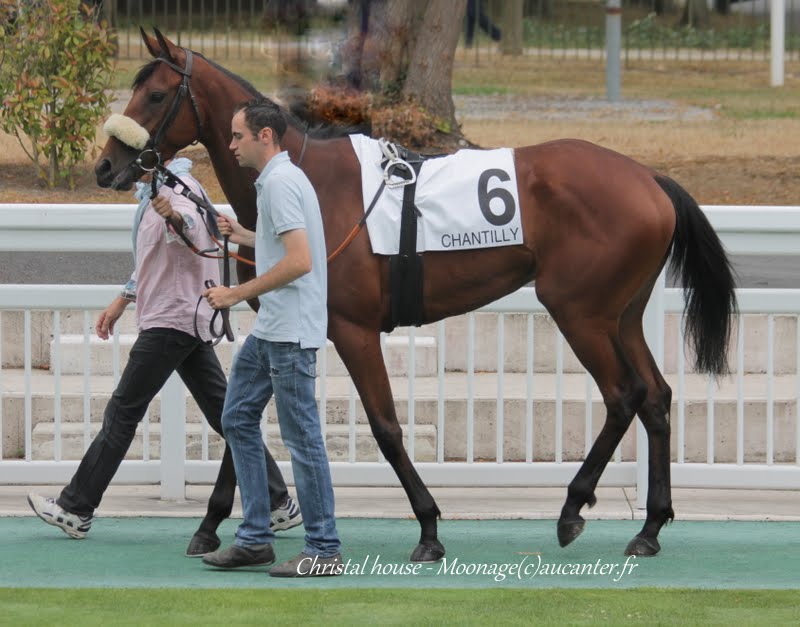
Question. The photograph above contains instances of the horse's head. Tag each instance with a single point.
(162, 115)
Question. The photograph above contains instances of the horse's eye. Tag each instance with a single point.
(157, 96)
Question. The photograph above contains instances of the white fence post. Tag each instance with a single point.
(777, 40)
(173, 440)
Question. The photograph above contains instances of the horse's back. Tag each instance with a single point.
(591, 211)
(574, 184)
(582, 165)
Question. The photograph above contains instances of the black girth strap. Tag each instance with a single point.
(406, 266)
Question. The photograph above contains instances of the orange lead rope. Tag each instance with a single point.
(357, 228)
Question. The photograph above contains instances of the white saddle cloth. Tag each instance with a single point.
(467, 200)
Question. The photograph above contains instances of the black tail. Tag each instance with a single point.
(699, 258)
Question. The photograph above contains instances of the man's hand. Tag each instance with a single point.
(235, 231)
(107, 319)
(221, 297)
(163, 208)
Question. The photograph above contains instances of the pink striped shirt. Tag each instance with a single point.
(169, 276)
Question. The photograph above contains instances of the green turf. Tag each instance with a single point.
(397, 607)
(148, 553)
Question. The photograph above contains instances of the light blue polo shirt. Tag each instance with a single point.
(297, 311)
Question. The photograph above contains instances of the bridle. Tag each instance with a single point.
(149, 160)
(155, 160)
(184, 89)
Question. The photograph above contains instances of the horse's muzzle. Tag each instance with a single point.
(105, 176)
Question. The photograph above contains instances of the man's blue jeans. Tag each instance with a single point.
(283, 369)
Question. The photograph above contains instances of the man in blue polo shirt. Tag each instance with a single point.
(279, 356)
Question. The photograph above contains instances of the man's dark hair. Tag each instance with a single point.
(263, 113)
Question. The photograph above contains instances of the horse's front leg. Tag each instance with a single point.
(360, 350)
(220, 504)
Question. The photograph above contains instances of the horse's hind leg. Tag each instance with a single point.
(360, 350)
(633, 384)
(654, 414)
(622, 392)
(220, 505)
(596, 342)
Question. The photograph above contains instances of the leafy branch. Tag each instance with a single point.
(58, 57)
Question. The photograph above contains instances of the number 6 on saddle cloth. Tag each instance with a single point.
(150, 161)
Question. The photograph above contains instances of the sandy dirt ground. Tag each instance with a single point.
(714, 179)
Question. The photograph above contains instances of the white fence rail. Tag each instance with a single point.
(518, 425)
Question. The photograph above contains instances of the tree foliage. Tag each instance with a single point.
(57, 59)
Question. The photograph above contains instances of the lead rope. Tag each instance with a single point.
(392, 156)
(226, 331)
(357, 228)
(224, 314)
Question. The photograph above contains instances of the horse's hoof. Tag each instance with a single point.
(431, 551)
(568, 530)
(643, 547)
(201, 544)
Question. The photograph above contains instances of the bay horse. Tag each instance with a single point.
(598, 229)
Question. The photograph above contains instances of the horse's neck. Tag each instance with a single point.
(293, 144)
(237, 182)
(303, 151)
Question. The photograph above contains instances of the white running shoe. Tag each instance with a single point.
(285, 517)
(53, 514)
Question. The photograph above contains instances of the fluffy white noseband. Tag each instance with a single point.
(126, 130)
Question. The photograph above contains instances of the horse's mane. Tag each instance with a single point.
(314, 128)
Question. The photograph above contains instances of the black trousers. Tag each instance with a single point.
(155, 355)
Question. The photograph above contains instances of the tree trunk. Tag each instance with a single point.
(402, 52)
(511, 25)
(398, 30)
(377, 42)
(107, 12)
(695, 13)
(52, 167)
(430, 69)
(661, 7)
(723, 7)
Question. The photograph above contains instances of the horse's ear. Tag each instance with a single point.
(167, 47)
(150, 43)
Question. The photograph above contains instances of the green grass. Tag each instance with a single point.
(402, 607)
(745, 103)
(480, 90)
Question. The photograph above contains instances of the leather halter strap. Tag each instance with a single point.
(184, 90)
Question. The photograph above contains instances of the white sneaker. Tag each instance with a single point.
(53, 514)
(285, 517)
